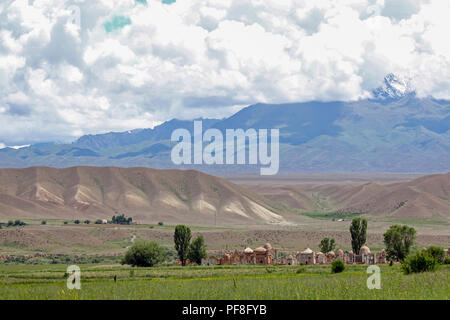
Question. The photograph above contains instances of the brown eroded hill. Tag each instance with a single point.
(425, 197)
(147, 195)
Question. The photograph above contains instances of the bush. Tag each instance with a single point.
(399, 240)
(337, 266)
(98, 221)
(77, 221)
(87, 221)
(327, 245)
(16, 223)
(270, 269)
(446, 261)
(301, 269)
(121, 220)
(160, 224)
(19, 223)
(197, 250)
(437, 253)
(43, 222)
(419, 262)
(65, 222)
(144, 254)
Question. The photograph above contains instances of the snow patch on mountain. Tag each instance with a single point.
(394, 87)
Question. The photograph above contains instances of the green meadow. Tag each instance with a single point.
(220, 282)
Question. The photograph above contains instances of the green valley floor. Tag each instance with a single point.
(220, 282)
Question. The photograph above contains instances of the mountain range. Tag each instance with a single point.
(395, 131)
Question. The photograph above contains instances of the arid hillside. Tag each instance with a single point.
(192, 197)
(147, 195)
(425, 197)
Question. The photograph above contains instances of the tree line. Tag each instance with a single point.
(399, 241)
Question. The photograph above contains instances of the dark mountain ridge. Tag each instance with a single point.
(396, 132)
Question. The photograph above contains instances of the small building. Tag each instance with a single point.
(290, 260)
(320, 258)
(364, 250)
(307, 257)
(210, 261)
(381, 257)
(248, 256)
(235, 258)
(330, 256)
(225, 259)
(262, 256)
(366, 256)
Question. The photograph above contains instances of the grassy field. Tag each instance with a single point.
(233, 282)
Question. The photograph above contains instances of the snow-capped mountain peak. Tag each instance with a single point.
(394, 87)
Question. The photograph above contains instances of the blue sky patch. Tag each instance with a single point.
(118, 22)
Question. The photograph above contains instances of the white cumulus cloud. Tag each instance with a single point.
(121, 65)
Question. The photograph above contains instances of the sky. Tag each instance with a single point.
(75, 67)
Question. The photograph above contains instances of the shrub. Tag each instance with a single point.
(337, 266)
(399, 240)
(391, 262)
(121, 219)
(144, 254)
(43, 222)
(437, 253)
(301, 269)
(419, 262)
(160, 224)
(270, 269)
(197, 250)
(16, 223)
(87, 221)
(446, 261)
(77, 221)
(65, 222)
(98, 221)
(327, 245)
